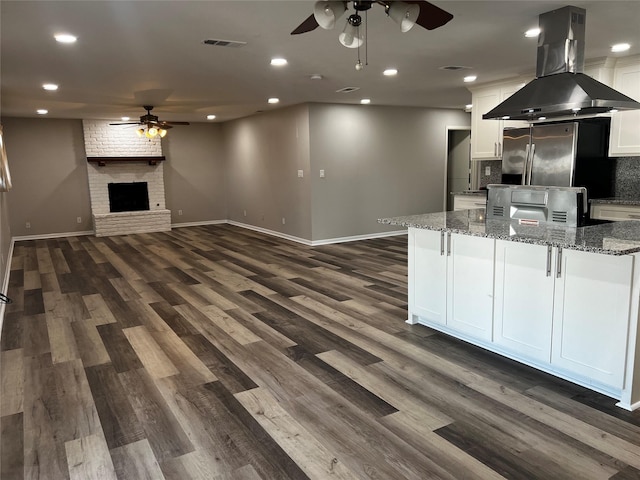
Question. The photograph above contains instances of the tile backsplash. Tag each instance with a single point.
(627, 177)
(494, 177)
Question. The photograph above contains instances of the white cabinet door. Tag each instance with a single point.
(591, 315)
(427, 275)
(470, 285)
(523, 307)
(625, 126)
(485, 134)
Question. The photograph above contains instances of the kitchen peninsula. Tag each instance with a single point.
(564, 300)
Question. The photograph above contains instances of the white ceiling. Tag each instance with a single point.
(131, 53)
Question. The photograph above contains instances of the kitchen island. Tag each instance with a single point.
(563, 300)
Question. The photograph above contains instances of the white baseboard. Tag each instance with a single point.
(52, 235)
(355, 238)
(270, 232)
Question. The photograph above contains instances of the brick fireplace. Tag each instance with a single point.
(118, 156)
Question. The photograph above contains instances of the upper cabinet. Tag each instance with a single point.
(625, 126)
(486, 135)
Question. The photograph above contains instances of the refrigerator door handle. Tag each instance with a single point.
(532, 152)
(525, 164)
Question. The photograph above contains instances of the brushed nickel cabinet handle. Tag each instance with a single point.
(549, 261)
(559, 263)
(441, 242)
(448, 244)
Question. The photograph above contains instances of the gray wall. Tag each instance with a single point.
(49, 172)
(194, 173)
(264, 154)
(379, 162)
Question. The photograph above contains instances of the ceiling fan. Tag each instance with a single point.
(406, 14)
(153, 125)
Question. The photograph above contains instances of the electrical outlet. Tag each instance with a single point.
(321, 173)
(245, 213)
(79, 219)
(487, 171)
(300, 173)
(179, 212)
(28, 225)
(283, 221)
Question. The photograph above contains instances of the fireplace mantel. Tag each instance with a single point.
(102, 161)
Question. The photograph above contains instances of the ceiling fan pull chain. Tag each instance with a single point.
(366, 37)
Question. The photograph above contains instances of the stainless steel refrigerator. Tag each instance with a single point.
(565, 154)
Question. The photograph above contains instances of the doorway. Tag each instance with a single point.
(458, 172)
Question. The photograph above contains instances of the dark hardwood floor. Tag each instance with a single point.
(216, 352)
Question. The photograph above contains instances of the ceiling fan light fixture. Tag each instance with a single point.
(351, 36)
(404, 14)
(140, 132)
(327, 13)
(162, 132)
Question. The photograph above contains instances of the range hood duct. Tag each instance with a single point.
(560, 88)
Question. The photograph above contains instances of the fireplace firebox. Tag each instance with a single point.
(128, 197)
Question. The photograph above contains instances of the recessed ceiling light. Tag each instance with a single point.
(365, 101)
(278, 62)
(532, 32)
(620, 47)
(273, 100)
(125, 119)
(470, 78)
(390, 72)
(316, 76)
(50, 86)
(42, 111)
(468, 106)
(211, 117)
(65, 38)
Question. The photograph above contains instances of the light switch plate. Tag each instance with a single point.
(300, 173)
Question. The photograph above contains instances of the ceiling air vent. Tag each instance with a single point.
(224, 43)
(454, 67)
(347, 89)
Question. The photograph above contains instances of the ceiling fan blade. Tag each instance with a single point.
(431, 17)
(174, 123)
(309, 24)
(125, 123)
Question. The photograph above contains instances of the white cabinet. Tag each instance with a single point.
(614, 211)
(469, 201)
(470, 285)
(486, 135)
(451, 281)
(625, 126)
(591, 315)
(523, 308)
(427, 275)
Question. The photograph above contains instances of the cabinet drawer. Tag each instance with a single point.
(468, 202)
(615, 212)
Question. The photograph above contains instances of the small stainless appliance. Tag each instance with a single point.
(535, 205)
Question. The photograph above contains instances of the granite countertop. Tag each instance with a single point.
(614, 238)
(616, 201)
(470, 192)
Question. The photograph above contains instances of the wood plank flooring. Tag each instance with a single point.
(216, 352)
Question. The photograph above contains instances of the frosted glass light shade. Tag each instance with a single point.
(404, 14)
(351, 37)
(326, 13)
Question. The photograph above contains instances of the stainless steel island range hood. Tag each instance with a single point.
(561, 89)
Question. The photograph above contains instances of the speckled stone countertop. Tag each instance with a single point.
(615, 238)
(616, 201)
(470, 192)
